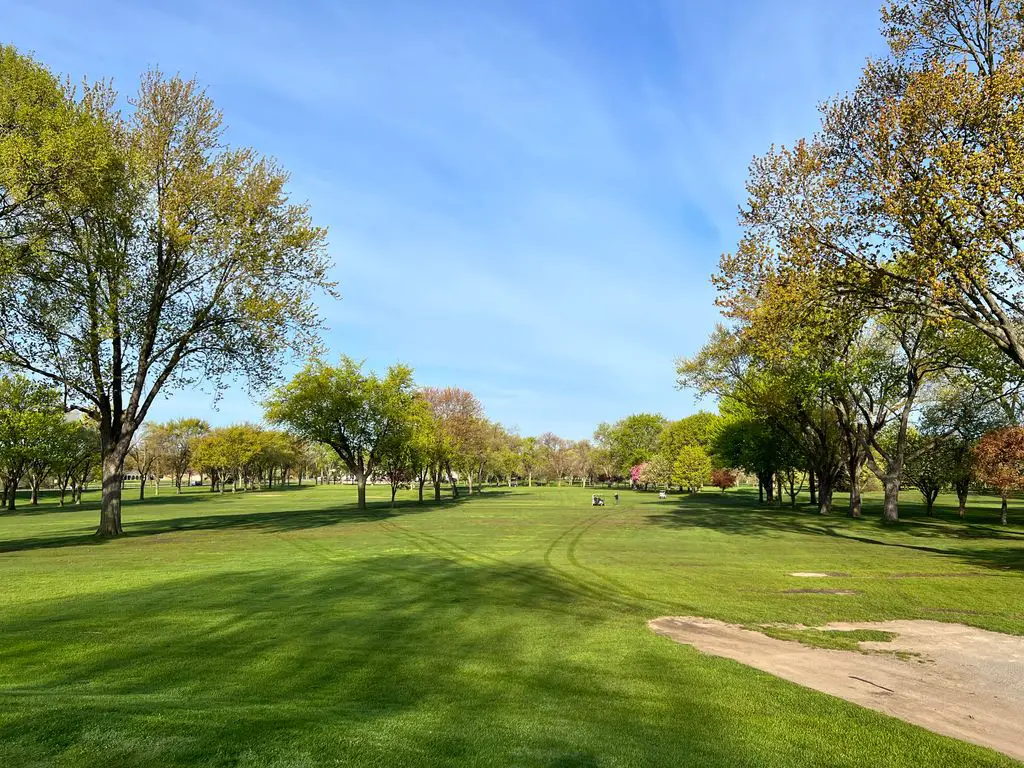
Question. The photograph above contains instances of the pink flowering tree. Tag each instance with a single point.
(636, 472)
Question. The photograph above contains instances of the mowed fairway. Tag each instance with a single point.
(286, 628)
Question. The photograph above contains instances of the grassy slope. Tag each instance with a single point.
(289, 629)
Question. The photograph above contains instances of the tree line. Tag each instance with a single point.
(339, 422)
(874, 302)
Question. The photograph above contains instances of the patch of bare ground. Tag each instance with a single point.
(972, 689)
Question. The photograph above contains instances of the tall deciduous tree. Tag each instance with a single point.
(140, 253)
(459, 419)
(181, 435)
(358, 414)
(632, 440)
(692, 468)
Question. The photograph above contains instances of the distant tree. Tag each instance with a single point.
(74, 457)
(700, 429)
(692, 468)
(148, 454)
(636, 474)
(181, 436)
(356, 413)
(632, 440)
(141, 253)
(956, 420)
(458, 415)
(723, 478)
(927, 467)
(657, 472)
(999, 462)
(31, 414)
(529, 458)
(558, 455)
(582, 463)
(422, 443)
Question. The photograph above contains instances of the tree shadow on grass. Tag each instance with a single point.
(393, 660)
(737, 515)
(389, 660)
(273, 521)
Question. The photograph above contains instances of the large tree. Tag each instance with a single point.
(632, 440)
(140, 253)
(360, 415)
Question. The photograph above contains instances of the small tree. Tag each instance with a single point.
(148, 453)
(928, 467)
(357, 414)
(692, 468)
(999, 461)
(74, 455)
(723, 478)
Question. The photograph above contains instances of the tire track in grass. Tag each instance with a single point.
(571, 556)
(581, 588)
(522, 574)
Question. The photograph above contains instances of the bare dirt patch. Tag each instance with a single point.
(818, 574)
(973, 689)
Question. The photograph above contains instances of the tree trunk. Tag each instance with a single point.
(455, 485)
(34, 499)
(760, 489)
(422, 482)
(1002, 511)
(113, 473)
(824, 495)
(142, 486)
(856, 504)
(929, 501)
(961, 497)
(394, 490)
(891, 510)
(778, 488)
(812, 486)
(361, 490)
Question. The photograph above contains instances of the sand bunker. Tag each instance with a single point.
(971, 686)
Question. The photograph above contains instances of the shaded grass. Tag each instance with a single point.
(291, 629)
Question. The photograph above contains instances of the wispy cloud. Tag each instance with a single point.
(525, 198)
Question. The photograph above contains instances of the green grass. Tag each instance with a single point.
(287, 628)
(842, 640)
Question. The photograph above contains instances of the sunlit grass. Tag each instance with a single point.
(291, 629)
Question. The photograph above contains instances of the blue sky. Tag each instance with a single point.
(525, 198)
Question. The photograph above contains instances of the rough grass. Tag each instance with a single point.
(507, 630)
